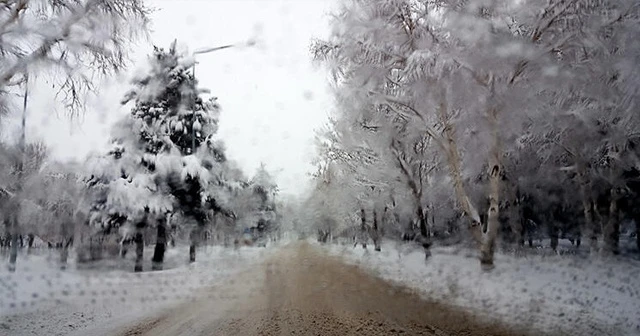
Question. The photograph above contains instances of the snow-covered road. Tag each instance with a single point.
(309, 289)
(301, 291)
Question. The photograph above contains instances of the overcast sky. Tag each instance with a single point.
(272, 96)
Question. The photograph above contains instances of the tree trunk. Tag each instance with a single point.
(161, 243)
(455, 171)
(516, 219)
(425, 239)
(13, 252)
(612, 229)
(422, 222)
(68, 234)
(15, 224)
(192, 252)
(493, 216)
(521, 232)
(195, 240)
(363, 228)
(485, 240)
(123, 249)
(324, 235)
(638, 233)
(375, 236)
(553, 235)
(495, 177)
(64, 253)
(30, 239)
(461, 195)
(139, 241)
(587, 207)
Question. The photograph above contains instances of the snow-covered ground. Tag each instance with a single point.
(39, 299)
(555, 294)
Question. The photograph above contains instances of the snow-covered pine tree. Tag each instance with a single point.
(126, 190)
(177, 129)
(165, 147)
(126, 186)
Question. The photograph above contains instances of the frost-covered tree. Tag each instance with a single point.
(56, 191)
(125, 189)
(327, 207)
(585, 124)
(251, 202)
(70, 40)
(165, 159)
(18, 170)
(470, 79)
(265, 189)
(48, 197)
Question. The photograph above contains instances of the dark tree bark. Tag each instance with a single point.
(323, 236)
(588, 207)
(67, 231)
(13, 252)
(523, 232)
(192, 252)
(553, 235)
(517, 221)
(123, 250)
(637, 220)
(527, 220)
(422, 221)
(161, 242)
(425, 240)
(195, 240)
(612, 227)
(139, 241)
(375, 235)
(64, 253)
(363, 227)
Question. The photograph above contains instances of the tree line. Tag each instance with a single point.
(481, 121)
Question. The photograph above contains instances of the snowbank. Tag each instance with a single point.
(40, 299)
(596, 296)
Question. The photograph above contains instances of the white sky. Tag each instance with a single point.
(272, 97)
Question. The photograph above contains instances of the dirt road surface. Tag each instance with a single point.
(301, 291)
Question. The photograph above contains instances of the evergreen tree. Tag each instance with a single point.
(126, 189)
(166, 145)
(177, 117)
